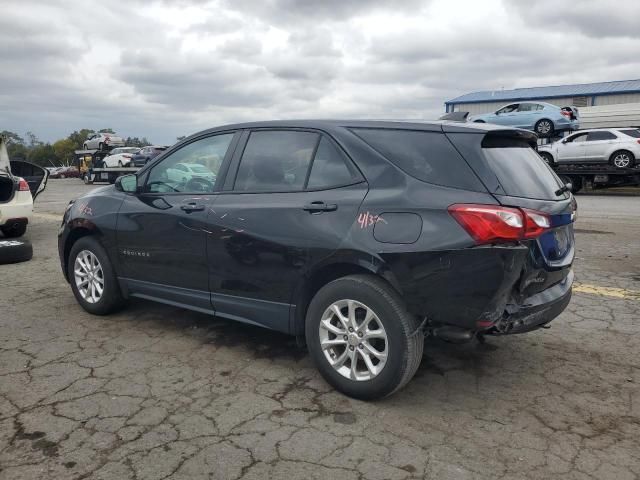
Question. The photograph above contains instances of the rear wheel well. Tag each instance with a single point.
(75, 235)
(318, 280)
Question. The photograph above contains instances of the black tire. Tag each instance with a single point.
(479, 121)
(85, 146)
(14, 230)
(100, 146)
(615, 159)
(544, 128)
(111, 299)
(120, 163)
(15, 251)
(405, 343)
(547, 157)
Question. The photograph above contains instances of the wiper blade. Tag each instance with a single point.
(565, 188)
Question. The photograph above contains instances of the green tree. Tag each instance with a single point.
(16, 148)
(137, 142)
(32, 140)
(78, 137)
(107, 130)
(64, 150)
(42, 154)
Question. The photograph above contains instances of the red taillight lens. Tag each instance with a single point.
(494, 224)
(639, 140)
(566, 113)
(23, 186)
(535, 223)
(488, 223)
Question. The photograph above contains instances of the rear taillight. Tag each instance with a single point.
(23, 186)
(566, 113)
(127, 156)
(639, 140)
(495, 224)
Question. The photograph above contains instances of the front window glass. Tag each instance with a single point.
(171, 176)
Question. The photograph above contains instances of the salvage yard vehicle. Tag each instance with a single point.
(183, 172)
(146, 154)
(618, 147)
(120, 157)
(543, 118)
(360, 237)
(20, 184)
(102, 141)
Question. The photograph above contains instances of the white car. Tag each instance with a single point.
(184, 172)
(17, 193)
(102, 141)
(120, 157)
(619, 147)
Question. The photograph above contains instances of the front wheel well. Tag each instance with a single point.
(318, 280)
(75, 235)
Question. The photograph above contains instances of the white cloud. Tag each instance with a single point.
(171, 67)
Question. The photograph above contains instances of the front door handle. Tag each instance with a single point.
(192, 207)
(317, 207)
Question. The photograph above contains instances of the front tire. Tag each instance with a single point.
(544, 128)
(361, 338)
(622, 159)
(92, 277)
(547, 157)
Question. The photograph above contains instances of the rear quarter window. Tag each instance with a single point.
(427, 156)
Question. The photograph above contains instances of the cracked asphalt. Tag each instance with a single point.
(155, 392)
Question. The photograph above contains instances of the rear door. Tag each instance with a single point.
(572, 148)
(526, 115)
(597, 144)
(290, 198)
(35, 175)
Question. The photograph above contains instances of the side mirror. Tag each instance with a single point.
(498, 112)
(564, 140)
(127, 184)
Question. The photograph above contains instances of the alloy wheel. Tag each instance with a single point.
(88, 276)
(544, 127)
(353, 340)
(622, 160)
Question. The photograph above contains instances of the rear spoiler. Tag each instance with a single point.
(506, 138)
(455, 116)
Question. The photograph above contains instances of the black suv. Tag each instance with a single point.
(361, 237)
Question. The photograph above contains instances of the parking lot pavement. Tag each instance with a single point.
(157, 392)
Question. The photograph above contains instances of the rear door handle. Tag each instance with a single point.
(317, 207)
(192, 207)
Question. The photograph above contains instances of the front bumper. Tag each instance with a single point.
(535, 311)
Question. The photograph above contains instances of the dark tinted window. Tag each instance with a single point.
(329, 167)
(427, 156)
(580, 137)
(632, 133)
(276, 161)
(520, 170)
(593, 136)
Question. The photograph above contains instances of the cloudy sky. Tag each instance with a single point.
(172, 67)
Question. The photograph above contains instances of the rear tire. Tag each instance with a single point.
(544, 128)
(395, 334)
(622, 159)
(100, 146)
(479, 121)
(15, 251)
(120, 163)
(90, 260)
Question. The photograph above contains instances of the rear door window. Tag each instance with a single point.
(520, 170)
(330, 168)
(427, 156)
(601, 135)
(276, 161)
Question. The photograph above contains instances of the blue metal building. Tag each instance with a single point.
(578, 95)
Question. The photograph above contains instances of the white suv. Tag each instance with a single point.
(619, 147)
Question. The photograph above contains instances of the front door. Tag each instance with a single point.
(162, 230)
(507, 115)
(292, 197)
(572, 149)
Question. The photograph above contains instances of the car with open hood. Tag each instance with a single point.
(20, 183)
